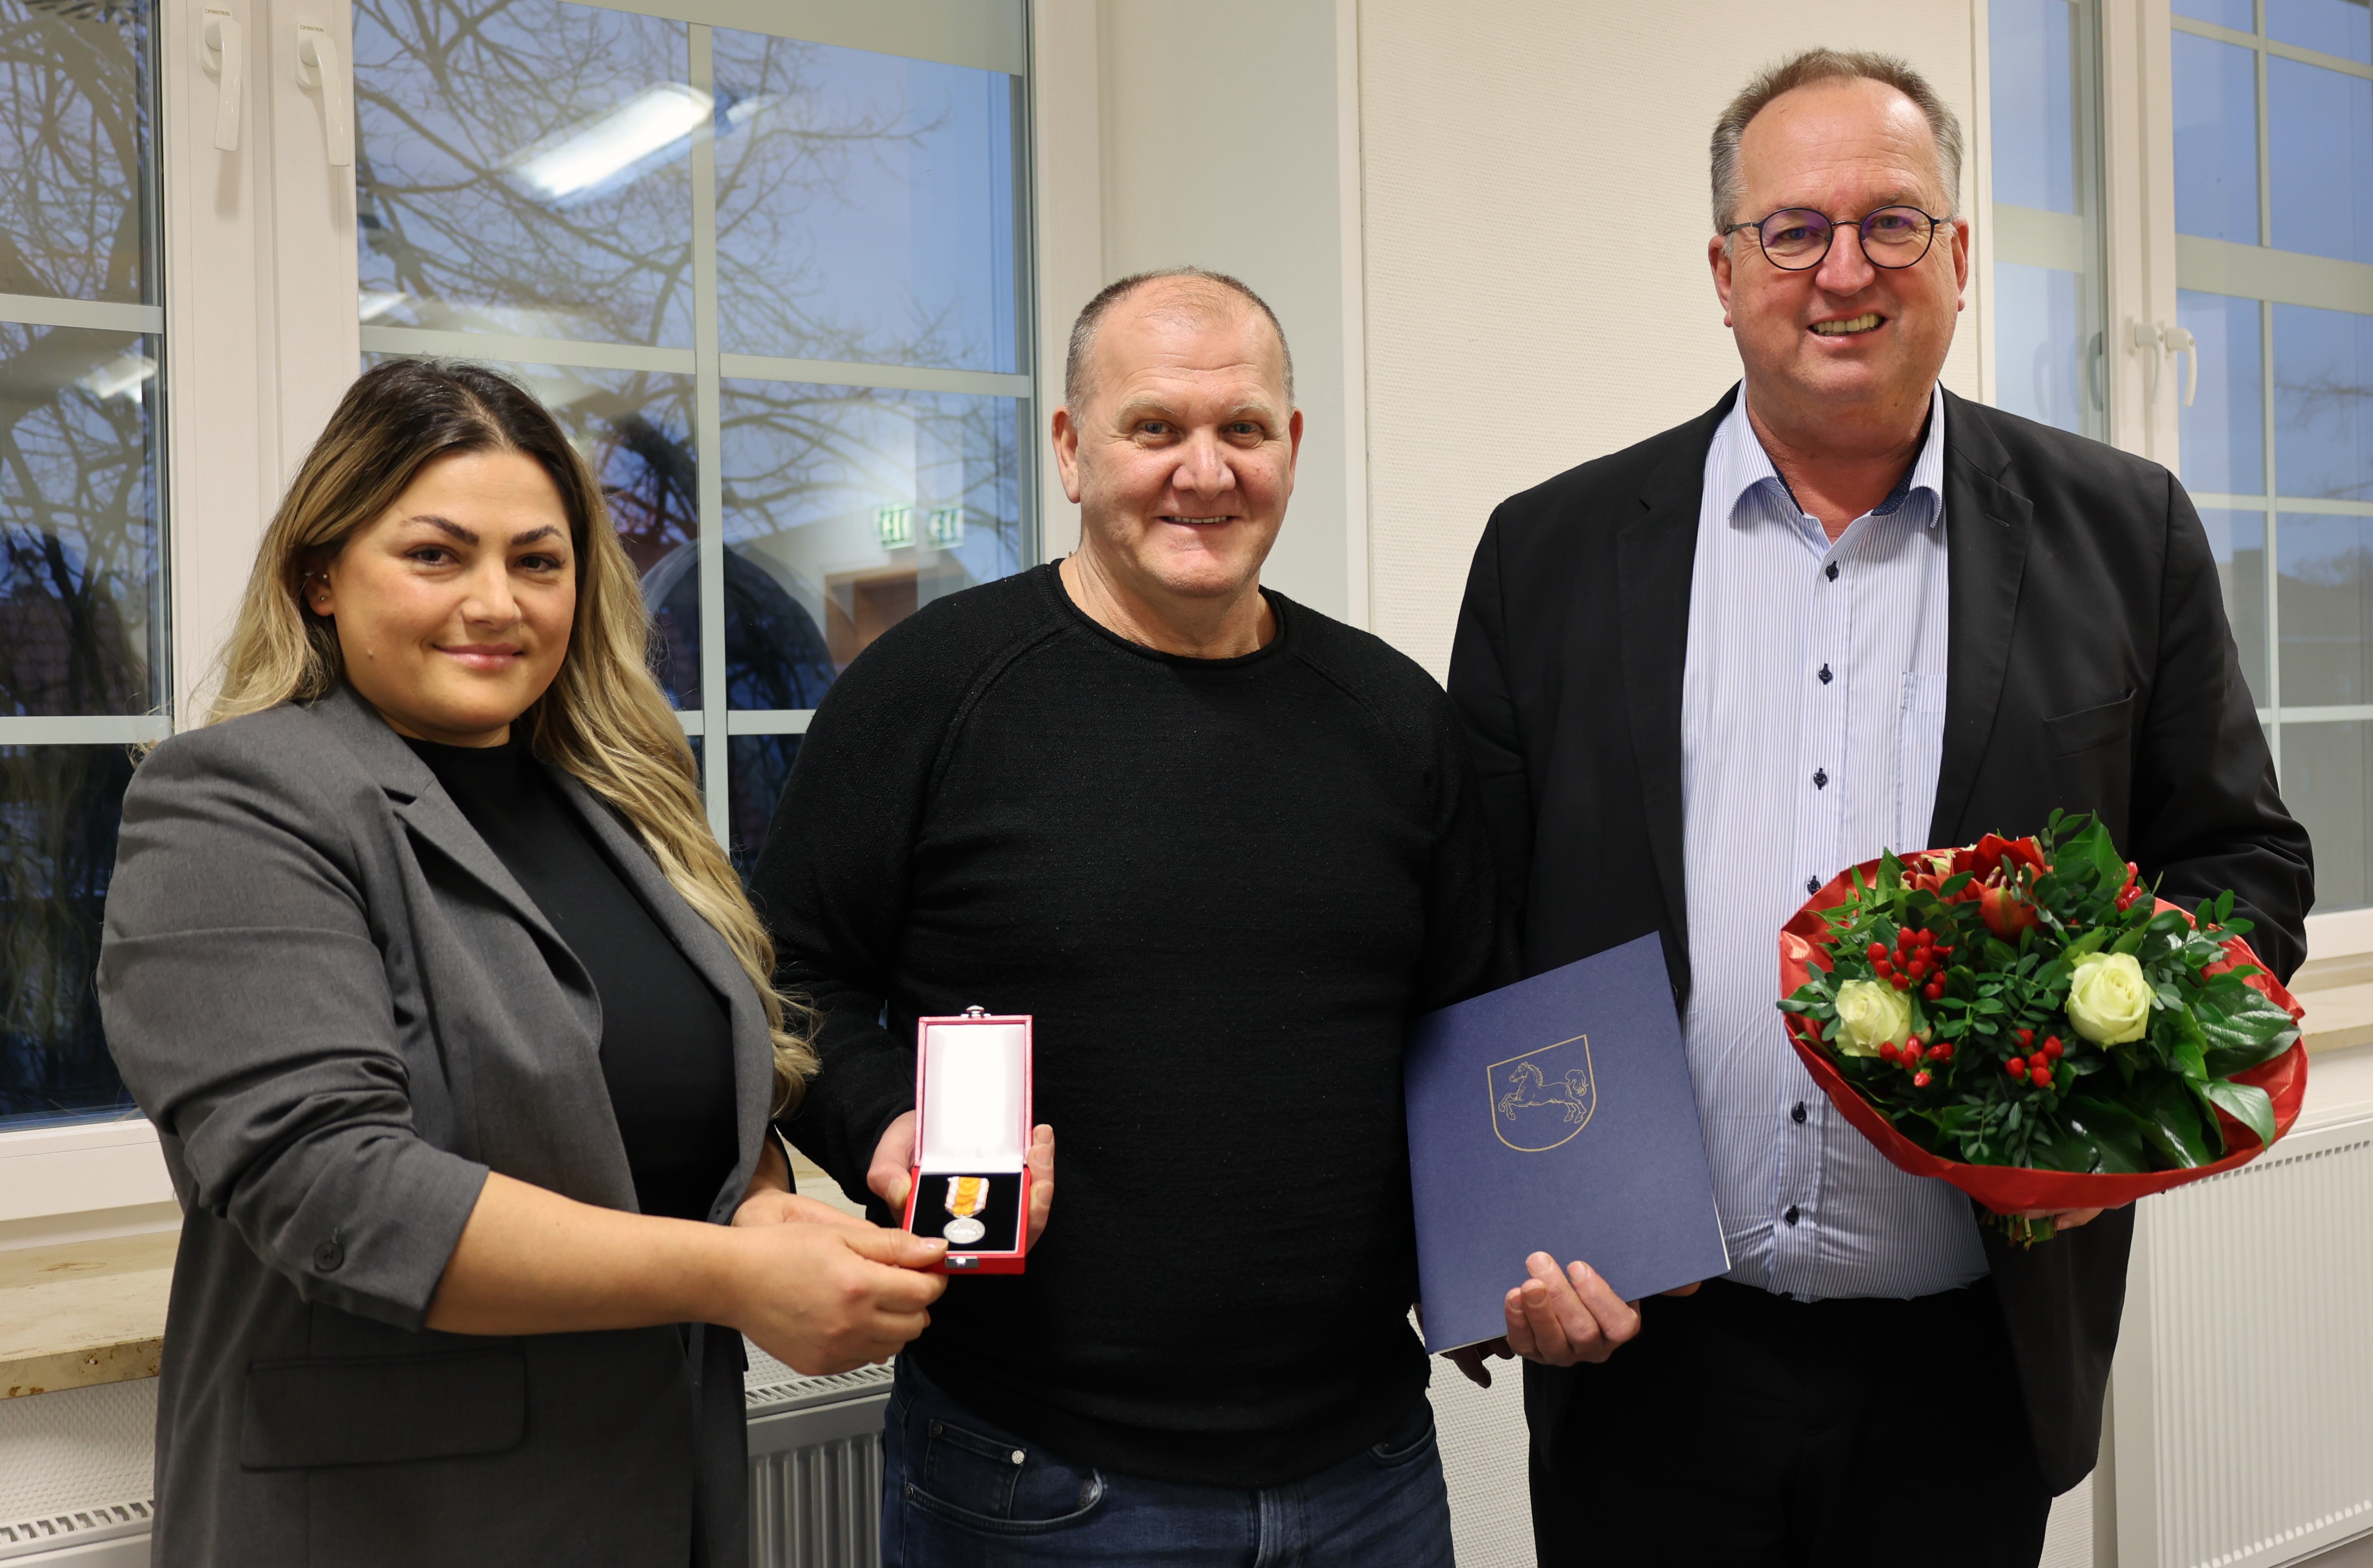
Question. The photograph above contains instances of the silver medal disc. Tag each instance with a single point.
(965, 1231)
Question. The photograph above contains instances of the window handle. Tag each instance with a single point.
(317, 66)
(222, 53)
(2180, 340)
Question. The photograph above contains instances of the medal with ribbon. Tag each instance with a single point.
(967, 1196)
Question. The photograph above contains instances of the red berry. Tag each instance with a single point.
(2053, 1048)
(1920, 1081)
(2026, 1036)
(1917, 969)
(2017, 1065)
(1944, 953)
(2041, 1078)
(1878, 952)
(1887, 1050)
(1881, 968)
(1899, 982)
(1934, 989)
(1938, 1053)
(1927, 937)
(1945, 1050)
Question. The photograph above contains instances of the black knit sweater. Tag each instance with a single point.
(1223, 888)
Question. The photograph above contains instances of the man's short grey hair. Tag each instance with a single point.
(1078, 383)
(1830, 65)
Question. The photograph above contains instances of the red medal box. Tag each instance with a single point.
(972, 1139)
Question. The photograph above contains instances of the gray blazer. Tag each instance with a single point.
(341, 1011)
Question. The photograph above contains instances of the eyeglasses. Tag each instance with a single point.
(1798, 239)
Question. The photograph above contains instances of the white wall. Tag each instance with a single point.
(1216, 136)
(1536, 201)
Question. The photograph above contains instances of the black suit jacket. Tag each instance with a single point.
(2090, 668)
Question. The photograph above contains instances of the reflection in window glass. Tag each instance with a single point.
(2224, 432)
(2032, 66)
(2324, 403)
(2235, 14)
(75, 151)
(2321, 602)
(79, 578)
(2320, 160)
(2238, 541)
(2037, 362)
(850, 508)
(2215, 139)
(2334, 27)
(524, 169)
(2326, 770)
(59, 809)
(864, 207)
(760, 767)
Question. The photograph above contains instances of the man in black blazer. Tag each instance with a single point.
(2018, 618)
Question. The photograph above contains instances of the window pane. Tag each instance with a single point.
(847, 509)
(864, 207)
(2215, 139)
(2040, 365)
(74, 153)
(762, 764)
(523, 168)
(2238, 541)
(79, 579)
(2324, 778)
(2224, 431)
(2337, 27)
(59, 809)
(2324, 403)
(2319, 155)
(2322, 602)
(2033, 70)
(2234, 13)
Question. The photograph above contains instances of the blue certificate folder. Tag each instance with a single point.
(1556, 1114)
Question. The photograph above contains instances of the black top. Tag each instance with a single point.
(2089, 668)
(1223, 888)
(667, 1046)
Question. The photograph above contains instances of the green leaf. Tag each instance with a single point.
(2172, 1120)
(2241, 1028)
(2116, 1132)
(2245, 1104)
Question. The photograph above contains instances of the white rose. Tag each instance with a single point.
(1870, 1015)
(2109, 1000)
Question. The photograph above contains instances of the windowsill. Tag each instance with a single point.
(83, 1313)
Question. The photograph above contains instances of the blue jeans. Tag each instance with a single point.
(958, 1493)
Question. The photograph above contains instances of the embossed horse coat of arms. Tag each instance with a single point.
(1541, 1099)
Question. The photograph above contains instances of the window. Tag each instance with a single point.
(777, 288)
(2274, 251)
(84, 670)
(2049, 346)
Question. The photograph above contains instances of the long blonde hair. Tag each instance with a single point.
(603, 718)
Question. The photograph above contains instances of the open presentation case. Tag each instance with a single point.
(972, 1139)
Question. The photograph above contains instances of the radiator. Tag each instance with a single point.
(815, 1465)
(2242, 1414)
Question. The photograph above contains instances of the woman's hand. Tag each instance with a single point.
(829, 1298)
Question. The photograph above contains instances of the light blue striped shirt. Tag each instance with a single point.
(1812, 724)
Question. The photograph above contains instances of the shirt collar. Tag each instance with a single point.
(1739, 465)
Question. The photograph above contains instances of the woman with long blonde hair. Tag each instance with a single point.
(462, 1042)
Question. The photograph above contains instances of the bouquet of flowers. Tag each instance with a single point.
(2023, 1019)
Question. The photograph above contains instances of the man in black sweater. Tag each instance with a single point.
(1223, 849)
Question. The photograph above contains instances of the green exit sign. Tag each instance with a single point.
(896, 525)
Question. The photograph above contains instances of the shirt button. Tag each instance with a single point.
(1797, 1114)
(1791, 1215)
(1820, 779)
(1812, 885)
(328, 1256)
(1832, 573)
(1825, 676)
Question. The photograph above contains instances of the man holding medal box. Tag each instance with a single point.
(1220, 851)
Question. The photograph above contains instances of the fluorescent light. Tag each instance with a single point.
(375, 303)
(634, 129)
(119, 376)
